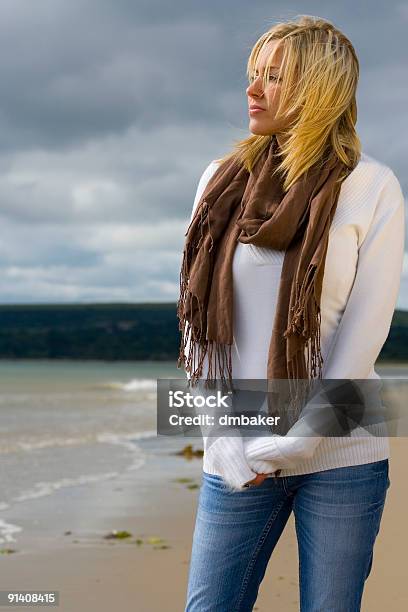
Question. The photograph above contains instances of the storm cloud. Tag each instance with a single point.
(109, 113)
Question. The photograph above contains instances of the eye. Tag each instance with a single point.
(272, 77)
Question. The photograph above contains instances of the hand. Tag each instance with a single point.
(258, 480)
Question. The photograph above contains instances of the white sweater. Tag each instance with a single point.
(360, 289)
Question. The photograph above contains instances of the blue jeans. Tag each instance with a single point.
(337, 516)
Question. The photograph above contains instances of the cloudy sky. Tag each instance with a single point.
(111, 109)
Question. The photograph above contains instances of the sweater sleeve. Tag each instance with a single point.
(366, 321)
(364, 325)
(202, 183)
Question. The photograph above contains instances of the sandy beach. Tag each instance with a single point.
(147, 571)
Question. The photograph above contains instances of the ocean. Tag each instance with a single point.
(67, 423)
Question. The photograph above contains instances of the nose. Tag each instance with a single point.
(255, 88)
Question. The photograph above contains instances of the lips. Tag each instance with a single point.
(256, 108)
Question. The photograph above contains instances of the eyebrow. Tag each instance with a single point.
(271, 67)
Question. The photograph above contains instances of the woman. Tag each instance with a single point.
(298, 233)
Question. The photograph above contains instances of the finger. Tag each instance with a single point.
(256, 481)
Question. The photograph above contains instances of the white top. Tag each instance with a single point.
(359, 293)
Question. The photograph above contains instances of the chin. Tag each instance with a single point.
(258, 130)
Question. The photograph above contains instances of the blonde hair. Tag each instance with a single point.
(319, 74)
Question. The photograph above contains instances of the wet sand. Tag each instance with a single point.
(95, 574)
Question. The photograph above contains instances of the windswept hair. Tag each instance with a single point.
(319, 75)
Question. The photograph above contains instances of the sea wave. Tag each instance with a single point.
(43, 488)
(17, 445)
(148, 385)
(7, 531)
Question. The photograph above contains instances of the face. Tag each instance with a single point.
(262, 119)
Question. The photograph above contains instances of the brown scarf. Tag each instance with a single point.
(296, 222)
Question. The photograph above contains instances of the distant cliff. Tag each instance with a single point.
(118, 332)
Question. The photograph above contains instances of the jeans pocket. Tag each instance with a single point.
(380, 466)
(380, 470)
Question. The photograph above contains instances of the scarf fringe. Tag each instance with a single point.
(219, 360)
(305, 322)
(204, 216)
(219, 355)
(186, 298)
